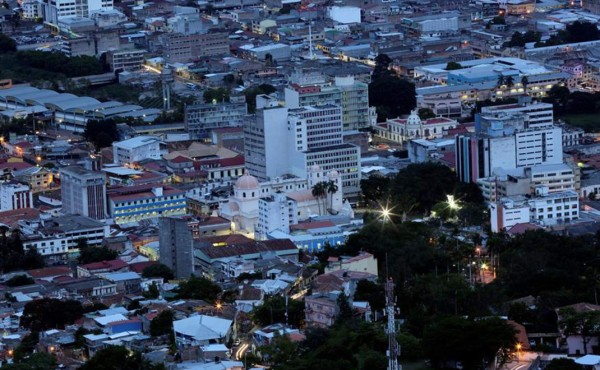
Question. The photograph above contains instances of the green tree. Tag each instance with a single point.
(162, 324)
(345, 310)
(426, 113)
(217, 95)
(501, 81)
(558, 96)
(427, 183)
(382, 66)
(198, 288)
(371, 292)
(375, 188)
(391, 95)
(318, 191)
(584, 324)
(451, 66)
(101, 133)
(27, 346)
(19, 280)
(153, 292)
(273, 311)
(34, 361)
(281, 351)
(252, 92)
(119, 358)
(579, 31)
(158, 270)
(89, 254)
(50, 313)
(509, 81)
(525, 83)
(459, 339)
(331, 189)
(7, 44)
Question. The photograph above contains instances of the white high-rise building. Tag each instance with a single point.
(83, 192)
(14, 195)
(308, 88)
(52, 10)
(281, 141)
(136, 149)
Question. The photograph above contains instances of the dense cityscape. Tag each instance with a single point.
(294, 184)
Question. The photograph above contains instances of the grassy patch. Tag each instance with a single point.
(588, 122)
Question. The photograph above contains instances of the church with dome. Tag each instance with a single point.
(290, 197)
(402, 130)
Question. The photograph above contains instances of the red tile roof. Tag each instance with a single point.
(140, 266)
(50, 271)
(180, 159)
(15, 166)
(522, 227)
(11, 218)
(103, 265)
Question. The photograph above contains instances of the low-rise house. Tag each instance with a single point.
(102, 267)
(127, 282)
(321, 309)
(363, 262)
(200, 330)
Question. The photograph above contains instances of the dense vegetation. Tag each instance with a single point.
(13, 256)
(49, 313)
(392, 96)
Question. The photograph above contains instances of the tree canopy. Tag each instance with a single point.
(273, 311)
(50, 313)
(101, 133)
(162, 323)
(13, 256)
(7, 44)
(89, 254)
(391, 95)
(198, 288)
(456, 339)
(158, 270)
(119, 358)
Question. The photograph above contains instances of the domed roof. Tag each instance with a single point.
(334, 174)
(314, 168)
(413, 119)
(246, 182)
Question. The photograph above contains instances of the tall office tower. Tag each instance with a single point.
(52, 10)
(200, 119)
(506, 141)
(176, 246)
(83, 192)
(312, 88)
(14, 195)
(282, 141)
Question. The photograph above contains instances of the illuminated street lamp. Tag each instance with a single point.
(452, 203)
(519, 346)
(385, 213)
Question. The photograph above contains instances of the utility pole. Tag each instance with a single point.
(393, 348)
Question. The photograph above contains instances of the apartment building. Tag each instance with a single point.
(201, 119)
(182, 48)
(136, 203)
(83, 192)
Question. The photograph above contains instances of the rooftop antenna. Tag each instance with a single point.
(393, 350)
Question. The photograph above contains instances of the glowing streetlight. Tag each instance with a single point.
(519, 346)
(219, 305)
(385, 213)
(452, 203)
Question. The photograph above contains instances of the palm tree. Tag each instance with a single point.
(332, 188)
(509, 81)
(318, 191)
(524, 82)
(500, 81)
